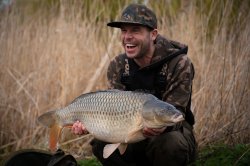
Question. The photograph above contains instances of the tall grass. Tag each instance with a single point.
(217, 33)
(50, 50)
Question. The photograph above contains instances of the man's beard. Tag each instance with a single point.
(143, 50)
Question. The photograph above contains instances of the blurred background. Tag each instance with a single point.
(51, 51)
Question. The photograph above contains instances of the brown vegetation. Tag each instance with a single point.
(46, 60)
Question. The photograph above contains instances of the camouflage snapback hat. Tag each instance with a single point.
(136, 14)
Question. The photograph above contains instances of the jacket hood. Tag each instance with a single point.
(165, 48)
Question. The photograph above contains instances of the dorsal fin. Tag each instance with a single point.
(47, 119)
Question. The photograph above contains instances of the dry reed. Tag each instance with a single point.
(46, 61)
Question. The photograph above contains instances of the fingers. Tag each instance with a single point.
(159, 130)
(149, 132)
(78, 128)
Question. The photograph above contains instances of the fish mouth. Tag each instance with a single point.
(177, 118)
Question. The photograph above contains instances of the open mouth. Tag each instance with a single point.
(130, 46)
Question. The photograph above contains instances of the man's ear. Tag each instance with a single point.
(154, 34)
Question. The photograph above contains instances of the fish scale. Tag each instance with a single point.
(116, 114)
(112, 116)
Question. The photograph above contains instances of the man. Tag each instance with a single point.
(156, 65)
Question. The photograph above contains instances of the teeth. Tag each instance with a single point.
(130, 45)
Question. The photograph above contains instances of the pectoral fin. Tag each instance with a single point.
(134, 135)
(109, 149)
(55, 132)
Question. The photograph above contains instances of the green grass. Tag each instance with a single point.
(89, 162)
(213, 155)
(224, 155)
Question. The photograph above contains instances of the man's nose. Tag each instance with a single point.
(128, 35)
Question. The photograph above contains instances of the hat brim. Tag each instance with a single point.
(117, 24)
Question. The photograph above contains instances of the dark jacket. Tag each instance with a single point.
(169, 75)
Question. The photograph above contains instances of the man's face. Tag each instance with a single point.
(137, 40)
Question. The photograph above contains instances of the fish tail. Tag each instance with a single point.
(49, 119)
(54, 135)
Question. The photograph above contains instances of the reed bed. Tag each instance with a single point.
(51, 49)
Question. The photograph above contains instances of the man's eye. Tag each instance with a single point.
(136, 30)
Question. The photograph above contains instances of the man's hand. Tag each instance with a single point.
(78, 128)
(149, 132)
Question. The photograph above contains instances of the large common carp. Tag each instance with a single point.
(112, 116)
